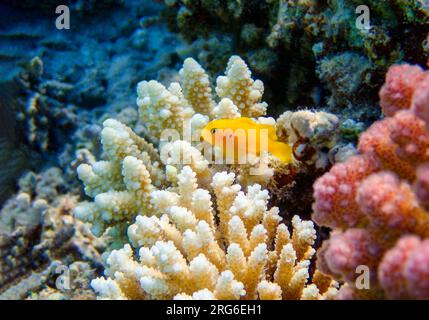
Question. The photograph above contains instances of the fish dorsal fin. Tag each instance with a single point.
(248, 121)
(272, 135)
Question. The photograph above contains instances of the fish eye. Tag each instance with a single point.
(213, 131)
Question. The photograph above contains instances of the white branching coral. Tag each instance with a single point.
(185, 228)
(196, 86)
(163, 108)
(191, 248)
(226, 109)
(132, 168)
(121, 184)
(241, 89)
(179, 153)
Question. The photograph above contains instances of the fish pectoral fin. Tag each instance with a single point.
(272, 134)
(281, 151)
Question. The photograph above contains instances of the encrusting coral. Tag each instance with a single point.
(182, 227)
(311, 133)
(377, 201)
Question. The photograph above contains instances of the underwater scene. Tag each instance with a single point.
(214, 150)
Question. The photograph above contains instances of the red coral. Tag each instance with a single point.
(416, 271)
(391, 204)
(397, 92)
(421, 185)
(335, 192)
(347, 250)
(387, 196)
(404, 270)
(400, 143)
(420, 102)
(410, 135)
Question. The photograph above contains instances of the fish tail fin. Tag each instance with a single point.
(281, 151)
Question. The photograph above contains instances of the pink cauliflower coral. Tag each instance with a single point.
(404, 270)
(391, 206)
(336, 190)
(377, 201)
(421, 185)
(349, 249)
(397, 92)
(420, 102)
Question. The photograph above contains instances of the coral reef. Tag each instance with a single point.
(317, 142)
(158, 216)
(196, 233)
(110, 57)
(377, 201)
(42, 114)
(310, 45)
(38, 234)
(185, 254)
(311, 133)
(117, 185)
(132, 167)
(46, 89)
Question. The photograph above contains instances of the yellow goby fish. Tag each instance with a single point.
(248, 137)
